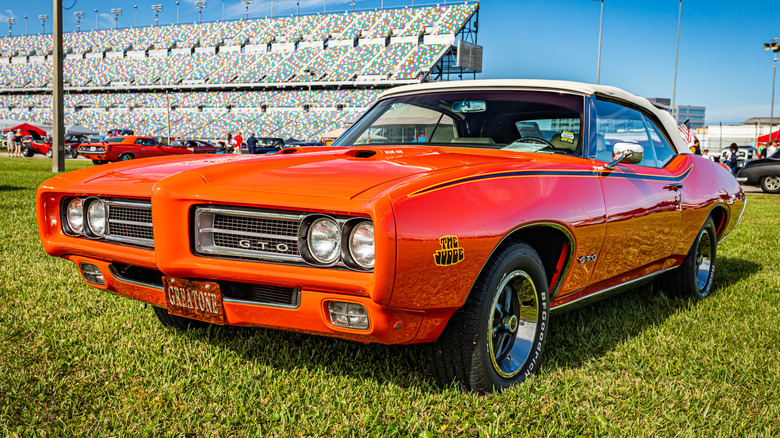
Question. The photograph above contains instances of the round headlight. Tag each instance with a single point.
(96, 217)
(324, 240)
(75, 215)
(361, 245)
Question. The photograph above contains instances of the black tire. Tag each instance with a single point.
(28, 151)
(74, 153)
(98, 162)
(177, 322)
(50, 154)
(770, 183)
(475, 348)
(126, 157)
(693, 278)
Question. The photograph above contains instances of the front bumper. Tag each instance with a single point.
(386, 326)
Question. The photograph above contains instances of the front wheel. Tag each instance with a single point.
(693, 278)
(49, 154)
(28, 151)
(770, 184)
(177, 322)
(497, 338)
(74, 153)
(98, 162)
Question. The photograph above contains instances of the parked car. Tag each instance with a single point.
(127, 148)
(436, 218)
(196, 146)
(764, 172)
(40, 145)
(116, 132)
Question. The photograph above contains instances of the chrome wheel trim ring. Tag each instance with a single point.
(772, 182)
(703, 259)
(512, 324)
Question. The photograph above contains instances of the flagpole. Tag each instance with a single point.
(676, 113)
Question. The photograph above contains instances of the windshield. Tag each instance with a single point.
(530, 121)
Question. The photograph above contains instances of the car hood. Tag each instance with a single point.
(324, 172)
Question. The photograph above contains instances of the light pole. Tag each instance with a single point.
(79, 15)
(96, 19)
(157, 9)
(200, 5)
(25, 26)
(44, 18)
(135, 9)
(774, 47)
(177, 12)
(10, 21)
(675, 113)
(598, 61)
(116, 12)
(353, 5)
(246, 6)
(297, 8)
(223, 10)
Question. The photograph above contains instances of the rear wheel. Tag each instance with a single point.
(693, 278)
(126, 157)
(177, 322)
(770, 184)
(497, 338)
(50, 154)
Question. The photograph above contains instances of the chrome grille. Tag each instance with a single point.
(247, 234)
(130, 222)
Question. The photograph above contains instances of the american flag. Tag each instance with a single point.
(685, 131)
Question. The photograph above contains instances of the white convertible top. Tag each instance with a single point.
(542, 84)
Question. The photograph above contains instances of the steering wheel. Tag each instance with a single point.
(537, 140)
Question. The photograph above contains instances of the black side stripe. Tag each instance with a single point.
(547, 173)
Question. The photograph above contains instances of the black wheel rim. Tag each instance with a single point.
(703, 260)
(512, 324)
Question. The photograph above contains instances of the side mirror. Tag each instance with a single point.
(630, 153)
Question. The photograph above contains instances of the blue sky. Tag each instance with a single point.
(722, 64)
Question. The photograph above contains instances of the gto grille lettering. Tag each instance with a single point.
(263, 246)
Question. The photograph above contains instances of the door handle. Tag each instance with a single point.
(675, 186)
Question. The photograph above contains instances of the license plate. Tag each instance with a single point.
(201, 300)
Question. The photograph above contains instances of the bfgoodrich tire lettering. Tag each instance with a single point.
(497, 338)
(693, 278)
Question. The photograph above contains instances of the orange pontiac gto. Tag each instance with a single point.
(455, 214)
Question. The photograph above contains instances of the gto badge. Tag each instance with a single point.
(263, 246)
(450, 252)
(587, 258)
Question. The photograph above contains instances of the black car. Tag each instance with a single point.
(764, 173)
(265, 145)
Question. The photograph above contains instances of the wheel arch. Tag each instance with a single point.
(555, 245)
(720, 214)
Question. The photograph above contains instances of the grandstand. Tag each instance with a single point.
(295, 76)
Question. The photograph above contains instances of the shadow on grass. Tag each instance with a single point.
(4, 188)
(596, 329)
(575, 338)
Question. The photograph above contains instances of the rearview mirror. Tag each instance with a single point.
(469, 106)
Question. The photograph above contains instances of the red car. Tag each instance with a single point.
(39, 145)
(128, 148)
(196, 146)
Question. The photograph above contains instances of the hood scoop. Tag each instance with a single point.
(362, 153)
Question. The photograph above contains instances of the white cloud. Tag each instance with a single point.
(7, 14)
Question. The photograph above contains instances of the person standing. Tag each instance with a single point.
(229, 142)
(696, 149)
(251, 143)
(732, 158)
(771, 149)
(10, 142)
(239, 142)
(18, 143)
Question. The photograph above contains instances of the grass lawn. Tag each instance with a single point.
(78, 361)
